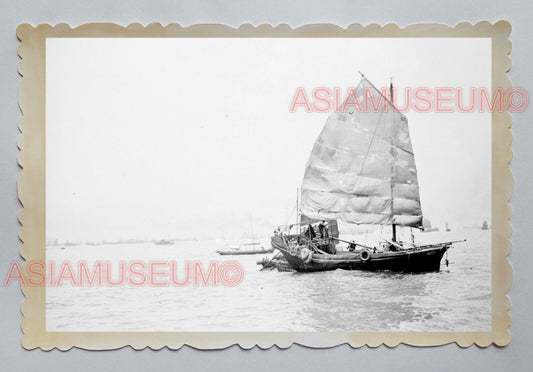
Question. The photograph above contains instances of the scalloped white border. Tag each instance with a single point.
(31, 191)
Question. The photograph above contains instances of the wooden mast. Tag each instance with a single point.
(297, 211)
(392, 168)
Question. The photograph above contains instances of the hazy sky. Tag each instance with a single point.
(178, 137)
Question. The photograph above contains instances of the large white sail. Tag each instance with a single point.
(362, 168)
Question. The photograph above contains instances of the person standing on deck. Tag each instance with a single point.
(323, 230)
(311, 232)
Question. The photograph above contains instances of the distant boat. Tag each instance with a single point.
(426, 224)
(164, 242)
(245, 248)
(485, 226)
(362, 171)
(250, 247)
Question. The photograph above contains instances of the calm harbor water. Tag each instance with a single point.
(458, 298)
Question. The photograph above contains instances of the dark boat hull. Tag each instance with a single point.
(415, 260)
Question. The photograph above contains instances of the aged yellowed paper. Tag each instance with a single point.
(159, 163)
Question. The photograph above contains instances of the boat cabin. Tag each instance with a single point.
(323, 234)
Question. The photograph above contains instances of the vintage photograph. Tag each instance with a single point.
(342, 217)
(269, 186)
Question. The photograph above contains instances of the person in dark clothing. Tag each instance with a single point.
(323, 230)
(311, 232)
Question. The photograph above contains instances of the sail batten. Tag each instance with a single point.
(362, 168)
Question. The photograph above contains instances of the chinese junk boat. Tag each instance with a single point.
(361, 171)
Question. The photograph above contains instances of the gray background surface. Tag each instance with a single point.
(516, 357)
